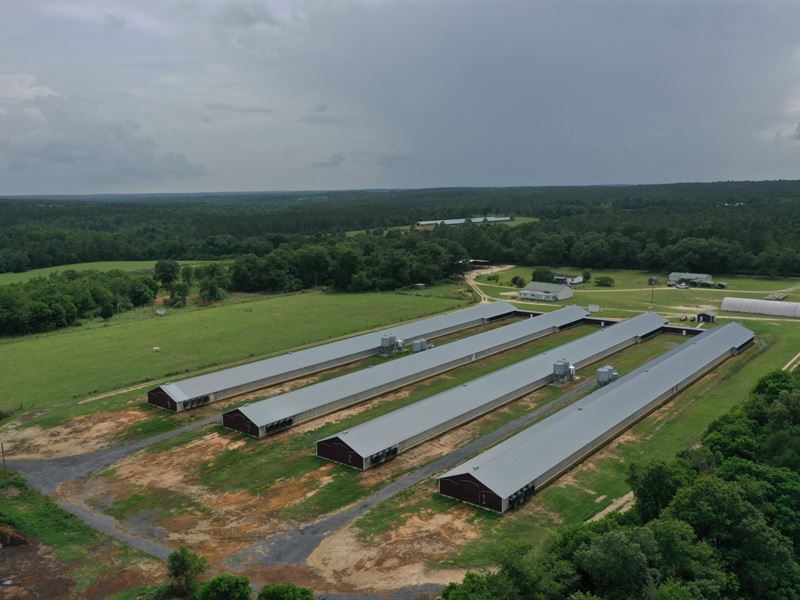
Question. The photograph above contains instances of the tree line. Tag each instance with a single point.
(356, 264)
(730, 227)
(62, 299)
(716, 522)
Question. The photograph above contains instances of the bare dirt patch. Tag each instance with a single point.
(620, 504)
(398, 558)
(216, 523)
(137, 573)
(33, 572)
(78, 436)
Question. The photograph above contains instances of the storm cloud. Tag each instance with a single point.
(117, 96)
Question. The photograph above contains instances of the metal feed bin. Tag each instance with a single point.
(606, 375)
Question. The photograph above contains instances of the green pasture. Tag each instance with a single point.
(45, 372)
(630, 279)
(632, 293)
(141, 266)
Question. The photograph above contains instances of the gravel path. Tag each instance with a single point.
(294, 546)
(47, 475)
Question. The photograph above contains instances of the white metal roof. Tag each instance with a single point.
(314, 396)
(530, 454)
(777, 308)
(463, 221)
(677, 275)
(218, 381)
(405, 423)
(548, 288)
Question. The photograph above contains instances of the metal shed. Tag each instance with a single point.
(384, 437)
(508, 474)
(278, 412)
(549, 292)
(762, 307)
(200, 390)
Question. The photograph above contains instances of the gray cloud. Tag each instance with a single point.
(224, 106)
(334, 160)
(523, 93)
(325, 120)
(61, 144)
(361, 159)
(113, 21)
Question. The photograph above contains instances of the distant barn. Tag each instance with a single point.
(200, 390)
(547, 292)
(449, 222)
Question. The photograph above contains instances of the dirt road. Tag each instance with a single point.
(470, 277)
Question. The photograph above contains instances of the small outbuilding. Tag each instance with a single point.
(548, 292)
(707, 316)
(568, 279)
(692, 279)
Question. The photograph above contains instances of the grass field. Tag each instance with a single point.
(141, 266)
(593, 485)
(632, 279)
(632, 294)
(82, 362)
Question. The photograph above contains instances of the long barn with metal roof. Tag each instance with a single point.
(278, 412)
(508, 474)
(384, 437)
(200, 390)
(777, 308)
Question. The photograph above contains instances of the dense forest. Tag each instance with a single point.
(744, 227)
(44, 304)
(719, 521)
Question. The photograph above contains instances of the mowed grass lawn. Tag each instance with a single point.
(632, 293)
(61, 367)
(143, 266)
(632, 279)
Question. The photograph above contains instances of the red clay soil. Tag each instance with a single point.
(33, 573)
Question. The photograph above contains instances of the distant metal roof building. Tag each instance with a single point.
(476, 220)
(550, 292)
(509, 473)
(200, 390)
(384, 437)
(678, 277)
(762, 307)
(278, 412)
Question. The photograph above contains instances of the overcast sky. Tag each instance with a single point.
(187, 96)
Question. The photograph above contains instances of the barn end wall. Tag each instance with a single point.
(237, 421)
(336, 450)
(468, 489)
(159, 397)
